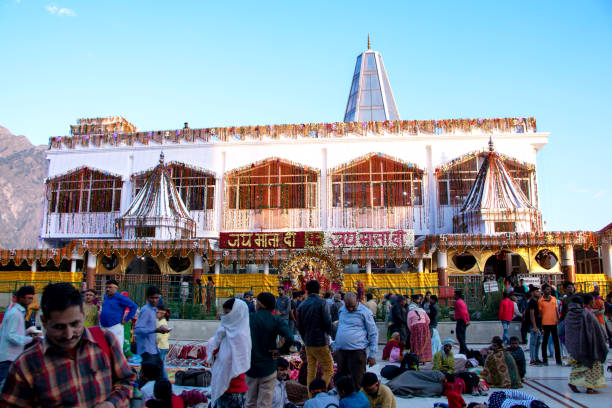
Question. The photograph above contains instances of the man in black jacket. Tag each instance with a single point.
(314, 325)
(265, 327)
(398, 318)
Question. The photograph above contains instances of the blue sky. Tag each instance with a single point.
(161, 63)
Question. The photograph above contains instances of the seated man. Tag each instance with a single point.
(444, 360)
(519, 356)
(280, 399)
(73, 365)
(349, 397)
(378, 394)
(320, 397)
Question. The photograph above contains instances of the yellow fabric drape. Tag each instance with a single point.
(232, 284)
(8, 279)
(392, 280)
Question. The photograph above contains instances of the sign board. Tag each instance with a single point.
(491, 286)
(532, 280)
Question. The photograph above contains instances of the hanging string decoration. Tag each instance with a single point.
(377, 191)
(97, 132)
(272, 193)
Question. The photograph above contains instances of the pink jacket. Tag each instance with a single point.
(506, 310)
(417, 316)
(461, 311)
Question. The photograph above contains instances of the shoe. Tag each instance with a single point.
(573, 388)
(545, 363)
(475, 393)
(483, 393)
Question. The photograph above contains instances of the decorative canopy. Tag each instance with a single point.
(494, 188)
(496, 203)
(370, 97)
(157, 211)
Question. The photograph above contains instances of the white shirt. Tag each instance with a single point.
(280, 395)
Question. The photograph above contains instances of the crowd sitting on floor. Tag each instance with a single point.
(287, 351)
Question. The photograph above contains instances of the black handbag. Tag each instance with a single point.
(193, 378)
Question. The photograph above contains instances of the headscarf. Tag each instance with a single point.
(448, 340)
(584, 338)
(233, 338)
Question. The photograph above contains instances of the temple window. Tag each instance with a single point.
(270, 184)
(84, 191)
(195, 186)
(377, 181)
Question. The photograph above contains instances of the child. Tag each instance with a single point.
(162, 338)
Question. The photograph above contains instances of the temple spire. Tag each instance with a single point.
(491, 148)
(370, 97)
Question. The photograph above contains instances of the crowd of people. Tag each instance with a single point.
(82, 358)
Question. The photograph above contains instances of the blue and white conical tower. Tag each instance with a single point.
(370, 97)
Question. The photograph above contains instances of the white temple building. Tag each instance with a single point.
(369, 174)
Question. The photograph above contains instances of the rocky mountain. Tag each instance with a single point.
(23, 168)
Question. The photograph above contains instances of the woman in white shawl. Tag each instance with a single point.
(230, 349)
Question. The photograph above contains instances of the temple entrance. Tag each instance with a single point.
(505, 264)
(143, 265)
(311, 264)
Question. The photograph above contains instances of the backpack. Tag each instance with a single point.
(193, 378)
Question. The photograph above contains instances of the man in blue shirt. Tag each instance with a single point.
(146, 329)
(13, 339)
(113, 310)
(356, 339)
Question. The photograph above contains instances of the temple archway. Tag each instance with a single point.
(316, 264)
(505, 264)
(142, 265)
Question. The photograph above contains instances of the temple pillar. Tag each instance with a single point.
(73, 265)
(217, 267)
(369, 267)
(34, 265)
(90, 277)
(606, 259)
(442, 268)
(323, 189)
(420, 266)
(266, 268)
(567, 263)
(197, 267)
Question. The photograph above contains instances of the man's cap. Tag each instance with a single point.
(112, 282)
(248, 293)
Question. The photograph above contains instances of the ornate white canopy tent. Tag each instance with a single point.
(157, 212)
(496, 203)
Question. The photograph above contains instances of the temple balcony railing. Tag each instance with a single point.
(271, 219)
(75, 225)
(376, 218)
